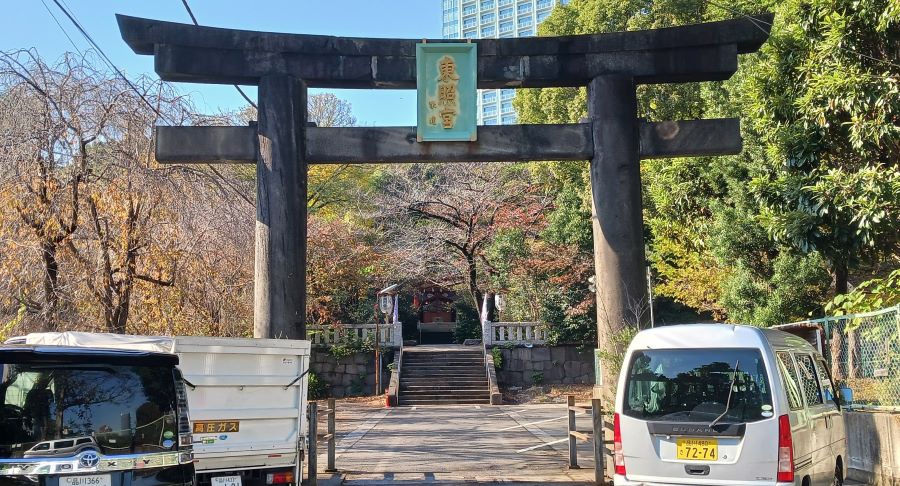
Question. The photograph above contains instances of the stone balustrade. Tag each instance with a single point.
(389, 334)
(497, 333)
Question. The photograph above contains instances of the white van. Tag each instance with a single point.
(723, 404)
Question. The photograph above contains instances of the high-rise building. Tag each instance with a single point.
(483, 19)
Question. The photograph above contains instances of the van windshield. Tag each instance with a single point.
(692, 385)
(58, 410)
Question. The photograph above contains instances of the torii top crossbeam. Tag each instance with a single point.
(699, 52)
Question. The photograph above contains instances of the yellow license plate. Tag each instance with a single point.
(697, 449)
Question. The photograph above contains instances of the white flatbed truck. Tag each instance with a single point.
(246, 399)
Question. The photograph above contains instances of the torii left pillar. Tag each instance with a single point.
(281, 167)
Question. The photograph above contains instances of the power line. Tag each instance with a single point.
(109, 61)
(194, 20)
(189, 11)
(134, 88)
(65, 33)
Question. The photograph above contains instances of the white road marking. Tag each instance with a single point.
(357, 434)
(537, 432)
(531, 423)
(546, 444)
(505, 413)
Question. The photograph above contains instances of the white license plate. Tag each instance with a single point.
(226, 481)
(90, 480)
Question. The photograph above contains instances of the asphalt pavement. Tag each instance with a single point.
(456, 444)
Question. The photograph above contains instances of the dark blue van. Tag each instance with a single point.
(92, 417)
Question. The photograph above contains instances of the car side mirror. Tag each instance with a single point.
(846, 396)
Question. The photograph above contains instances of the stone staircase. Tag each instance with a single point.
(443, 375)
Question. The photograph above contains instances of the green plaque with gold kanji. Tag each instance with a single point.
(446, 78)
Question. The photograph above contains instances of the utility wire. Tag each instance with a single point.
(189, 11)
(65, 33)
(194, 20)
(134, 88)
(109, 61)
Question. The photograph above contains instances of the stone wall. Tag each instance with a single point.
(873, 443)
(350, 376)
(554, 365)
(545, 365)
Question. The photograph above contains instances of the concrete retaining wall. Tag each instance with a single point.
(350, 376)
(873, 440)
(547, 365)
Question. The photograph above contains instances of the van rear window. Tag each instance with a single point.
(692, 385)
(59, 410)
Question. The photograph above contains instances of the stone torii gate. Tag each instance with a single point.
(282, 144)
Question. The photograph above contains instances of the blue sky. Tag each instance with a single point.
(27, 24)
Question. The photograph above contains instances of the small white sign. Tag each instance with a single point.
(226, 481)
(91, 480)
(386, 303)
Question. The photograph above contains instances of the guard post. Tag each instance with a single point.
(313, 463)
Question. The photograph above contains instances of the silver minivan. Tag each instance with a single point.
(724, 404)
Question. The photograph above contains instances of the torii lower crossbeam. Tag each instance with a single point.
(496, 143)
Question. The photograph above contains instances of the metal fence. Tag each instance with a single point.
(863, 352)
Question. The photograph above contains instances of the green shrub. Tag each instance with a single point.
(316, 388)
(868, 296)
(613, 358)
(352, 345)
(468, 323)
(498, 358)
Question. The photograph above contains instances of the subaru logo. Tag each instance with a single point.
(89, 459)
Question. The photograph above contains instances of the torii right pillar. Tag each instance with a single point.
(616, 216)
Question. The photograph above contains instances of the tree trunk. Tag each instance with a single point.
(840, 276)
(51, 283)
(854, 364)
(838, 357)
(472, 270)
(126, 285)
(841, 366)
(106, 300)
(120, 318)
(118, 322)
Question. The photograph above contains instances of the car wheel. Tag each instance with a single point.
(838, 476)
